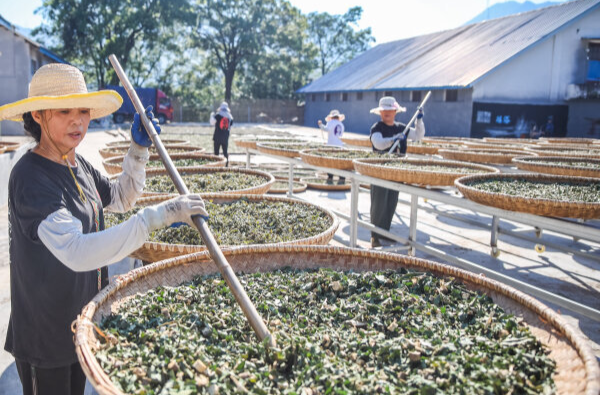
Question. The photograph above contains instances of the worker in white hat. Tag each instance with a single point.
(335, 131)
(58, 245)
(384, 134)
(222, 121)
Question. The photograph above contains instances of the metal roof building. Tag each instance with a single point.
(528, 59)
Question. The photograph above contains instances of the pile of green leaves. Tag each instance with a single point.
(578, 163)
(206, 182)
(244, 222)
(293, 147)
(347, 154)
(561, 191)
(337, 333)
(405, 165)
(317, 180)
(183, 162)
(152, 150)
(284, 185)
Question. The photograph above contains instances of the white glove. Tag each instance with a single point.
(179, 209)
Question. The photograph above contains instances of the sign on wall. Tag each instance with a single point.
(519, 120)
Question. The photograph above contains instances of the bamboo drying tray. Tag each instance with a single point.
(572, 150)
(544, 207)
(121, 151)
(126, 143)
(310, 182)
(155, 251)
(297, 187)
(329, 162)
(10, 145)
(577, 371)
(375, 168)
(298, 174)
(510, 140)
(489, 145)
(568, 140)
(251, 143)
(114, 165)
(498, 156)
(551, 165)
(257, 190)
(357, 141)
(423, 149)
(265, 148)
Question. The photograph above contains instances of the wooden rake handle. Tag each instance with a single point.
(211, 244)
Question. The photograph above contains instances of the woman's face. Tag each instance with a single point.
(387, 116)
(67, 127)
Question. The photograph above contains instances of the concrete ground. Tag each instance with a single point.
(565, 274)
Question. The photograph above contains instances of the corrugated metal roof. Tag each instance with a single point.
(452, 58)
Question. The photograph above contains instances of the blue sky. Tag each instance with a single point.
(389, 19)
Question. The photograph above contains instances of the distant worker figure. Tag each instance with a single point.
(534, 133)
(335, 131)
(222, 122)
(383, 135)
(548, 128)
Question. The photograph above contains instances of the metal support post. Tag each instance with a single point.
(248, 159)
(355, 185)
(291, 180)
(494, 235)
(412, 233)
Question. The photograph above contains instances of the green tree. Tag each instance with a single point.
(88, 31)
(236, 32)
(336, 38)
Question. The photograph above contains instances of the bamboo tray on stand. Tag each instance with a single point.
(487, 156)
(536, 206)
(577, 370)
(153, 251)
(114, 165)
(126, 143)
(376, 168)
(173, 149)
(559, 165)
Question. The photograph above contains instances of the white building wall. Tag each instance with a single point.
(541, 74)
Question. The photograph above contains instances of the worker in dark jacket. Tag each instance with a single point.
(222, 122)
(383, 135)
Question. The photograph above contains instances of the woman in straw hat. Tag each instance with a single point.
(222, 122)
(383, 136)
(335, 131)
(58, 245)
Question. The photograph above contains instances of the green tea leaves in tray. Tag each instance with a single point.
(293, 147)
(244, 222)
(337, 333)
(206, 182)
(562, 191)
(182, 162)
(346, 154)
(405, 165)
(579, 163)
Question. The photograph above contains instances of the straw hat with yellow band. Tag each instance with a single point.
(57, 86)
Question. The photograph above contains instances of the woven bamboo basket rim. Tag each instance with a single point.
(153, 251)
(265, 148)
(256, 190)
(297, 187)
(165, 141)
(375, 168)
(329, 162)
(547, 165)
(499, 156)
(568, 140)
(284, 175)
(113, 165)
(577, 369)
(10, 145)
(484, 145)
(357, 141)
(422, 149)
(251, 142)
(118, 151)
(543, 207)
(325, 187)
(510, 140)
(565, 147)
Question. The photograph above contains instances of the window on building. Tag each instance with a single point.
(359, 95)
(377, 96)
(451, 95)
(388, 93)
(484, 117)
(344, 96)
(313, 97)
(593, 55)
(327, 97)
(34, 66)
(415, 96)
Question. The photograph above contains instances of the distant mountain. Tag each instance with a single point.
(499, 10)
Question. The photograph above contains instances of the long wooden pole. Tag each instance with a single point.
(408, 125)
(216, 254)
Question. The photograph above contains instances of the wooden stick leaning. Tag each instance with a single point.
(216, 254)
(414, 117)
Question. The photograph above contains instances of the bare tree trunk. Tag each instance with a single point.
(229, 74)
